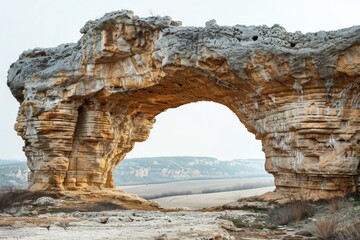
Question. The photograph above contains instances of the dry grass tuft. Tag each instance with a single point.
(325, 228)
(332, 228)
(348, 231)
(291, 212)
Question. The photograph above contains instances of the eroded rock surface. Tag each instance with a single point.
(85, 104)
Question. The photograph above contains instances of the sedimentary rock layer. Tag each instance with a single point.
(85, 104)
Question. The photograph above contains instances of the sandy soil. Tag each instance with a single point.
(198, 201)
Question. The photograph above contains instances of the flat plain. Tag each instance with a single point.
(196, 194)
(206, 200)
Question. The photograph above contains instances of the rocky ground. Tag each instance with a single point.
(64, 216)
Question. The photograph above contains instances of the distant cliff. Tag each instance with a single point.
(154, 170)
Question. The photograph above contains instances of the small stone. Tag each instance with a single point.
(16, 204)
(11, 210)
(162, 237)
(45, 201)
(103, 220)
(27, 201)
(304, 232)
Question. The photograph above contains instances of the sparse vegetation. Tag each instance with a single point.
(20, 197)
(356, 203)
(355, 198)
(349, 231)
(325, 228)
(89, 207)
(10, 197)
(104, 206)
(238, 222)
(244, 222)
(335, 204)
(332, 228)
(293, 211)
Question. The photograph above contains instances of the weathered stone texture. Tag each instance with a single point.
(84, 105)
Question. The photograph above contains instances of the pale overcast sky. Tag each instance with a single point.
(202, 129)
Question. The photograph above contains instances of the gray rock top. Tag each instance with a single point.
(234, 43)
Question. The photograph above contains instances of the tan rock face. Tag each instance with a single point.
(84, 105)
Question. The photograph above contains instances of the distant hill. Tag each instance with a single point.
(154, 170)
(168, 169)
(13, 174)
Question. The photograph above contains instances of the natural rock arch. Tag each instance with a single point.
(83, 105)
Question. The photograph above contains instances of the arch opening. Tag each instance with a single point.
(199, 129)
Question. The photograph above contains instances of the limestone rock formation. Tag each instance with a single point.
(85, 104)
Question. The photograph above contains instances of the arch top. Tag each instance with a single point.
(83, 105)
(150, 47)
